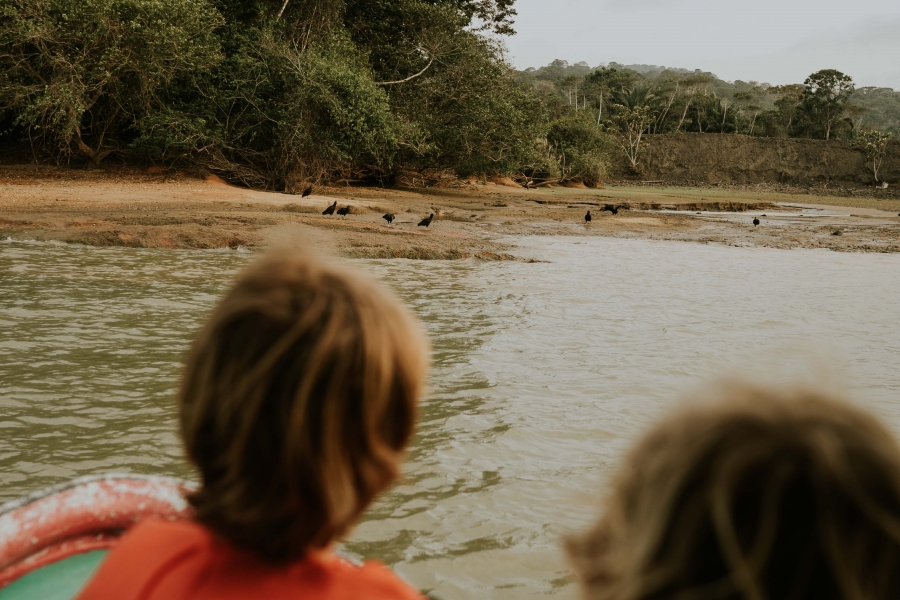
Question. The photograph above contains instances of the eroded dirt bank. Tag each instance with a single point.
(132, 208)
(739, 159)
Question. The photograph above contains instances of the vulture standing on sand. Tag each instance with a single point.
(389, 218)
(426, 222)
(755, 221)
(587, 217)
(344, 211)
(330, 209)
(306, 192)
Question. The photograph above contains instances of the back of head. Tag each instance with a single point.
(298, 400)
(762, 495)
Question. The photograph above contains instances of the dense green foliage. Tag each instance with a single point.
(826, 105)
(580, 149)
(277, 94)
(267, 92)
(76, 73)
(874, 145)
(630, 101)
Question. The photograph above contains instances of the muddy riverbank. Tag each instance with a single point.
(141, 209)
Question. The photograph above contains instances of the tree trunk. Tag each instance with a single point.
(662, 118)
(684, 115)
(600, 114)
(753, 123)
(281, 12)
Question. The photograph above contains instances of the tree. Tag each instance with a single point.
(693, 84)
(874, 145)
(468, 113)
(604, 81)
(80, 74)
(787, 105)
(747, 101)
(269, 93)
(582, 149)
(632, 123)
(825, 98)
(278, 115)
(883, 105)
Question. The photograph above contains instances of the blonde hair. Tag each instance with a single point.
(298, 399)
(765, 494)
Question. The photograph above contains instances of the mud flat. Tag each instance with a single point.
(140, 209)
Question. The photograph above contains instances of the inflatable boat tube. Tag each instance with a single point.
(52, 540)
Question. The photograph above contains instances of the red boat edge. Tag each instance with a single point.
(83, 515)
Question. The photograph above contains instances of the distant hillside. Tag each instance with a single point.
(871, 107)
(560, 69)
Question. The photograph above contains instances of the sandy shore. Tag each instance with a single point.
(139, 209)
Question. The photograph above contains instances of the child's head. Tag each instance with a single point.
(762, 496)
(298, 400)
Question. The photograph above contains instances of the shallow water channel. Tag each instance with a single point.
(543, 374)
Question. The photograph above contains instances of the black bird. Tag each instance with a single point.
(330, 209)
(426, 222)
(755, 221)
(613, 209)
(389, 218)
(344, 211)
(587, 217)
(306, 192)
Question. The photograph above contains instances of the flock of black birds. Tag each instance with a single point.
(344, 211)
(389, 217)
(426, 222)
(331, 209)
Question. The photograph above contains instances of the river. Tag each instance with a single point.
(543, 375)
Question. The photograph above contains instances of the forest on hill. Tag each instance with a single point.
(277, 94)
(698, 101)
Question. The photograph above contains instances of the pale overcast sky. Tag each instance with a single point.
(774, 41)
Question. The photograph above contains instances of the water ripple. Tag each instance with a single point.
(543, 374)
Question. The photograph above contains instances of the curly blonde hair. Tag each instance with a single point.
(764, 494)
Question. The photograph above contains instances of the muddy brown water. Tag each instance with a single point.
(543, 375)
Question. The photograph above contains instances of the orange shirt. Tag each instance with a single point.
(182, 560)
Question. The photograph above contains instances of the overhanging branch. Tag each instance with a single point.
(411, 77)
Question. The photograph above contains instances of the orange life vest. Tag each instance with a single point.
(182, 560)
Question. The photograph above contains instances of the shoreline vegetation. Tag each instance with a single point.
(137, 208)
(277, 95)
(149, 109)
